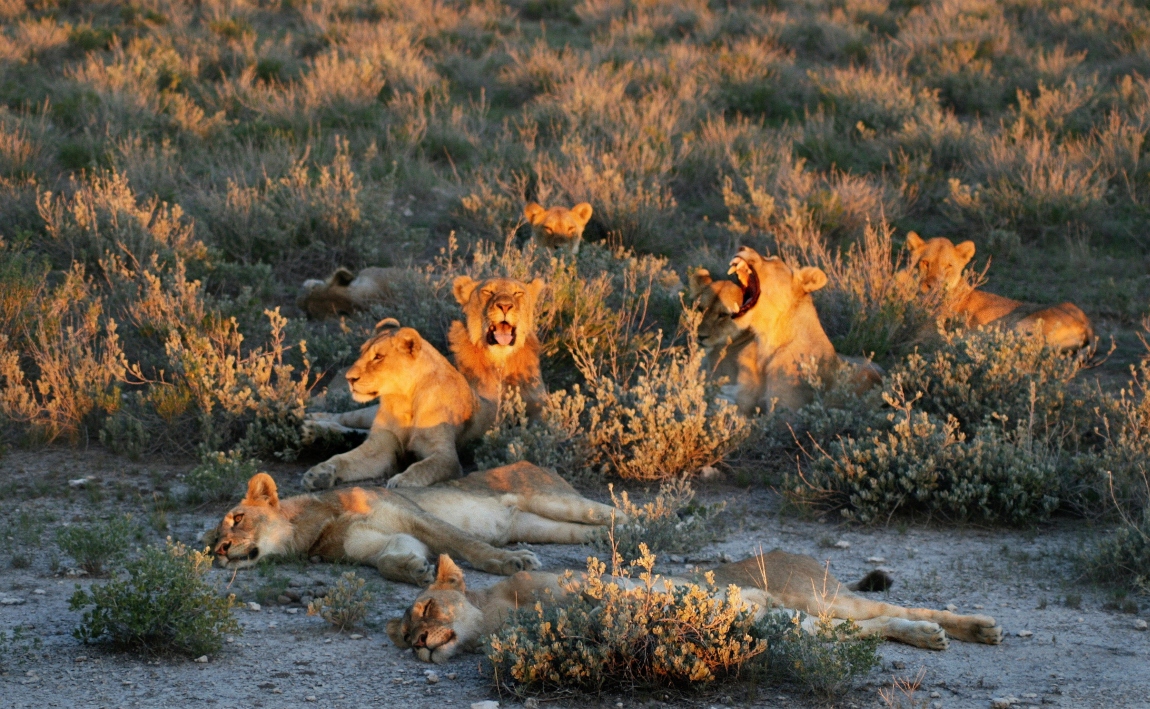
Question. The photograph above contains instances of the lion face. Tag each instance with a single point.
(500, 312)
(770, 287)
(558, 226)
(323, 299)
(718, 301)
(252, 529)
(387, 362)
(938, 260)
(442, 621)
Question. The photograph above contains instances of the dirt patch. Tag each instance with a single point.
(1055, 654)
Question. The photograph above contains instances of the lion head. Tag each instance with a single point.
(770, 289)
(938, 260)
(717, 301)
(442, 621)
(558, 226)
(252, 529)
(499, 313)
(388, 362)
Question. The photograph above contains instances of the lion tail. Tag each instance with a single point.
(877, 580)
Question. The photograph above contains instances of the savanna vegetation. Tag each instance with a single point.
(171, 172)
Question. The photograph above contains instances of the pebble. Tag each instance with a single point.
(202, 659)
(486, 704)
(842, 544)
(310, 698)
(355, 636)
(726, 558)
(876, 560)
(291, 611)
(432, 677)
(451, 675)
(80, 658)
(39, 592)
(676, 558)
(79, 482)
(1139, 624)
(1025, 633)
(898, 665)
(951, 607)
(1002, 702)
(11, 601)
(709, 472)
(253, 607)
(935, 695)
(978, 606)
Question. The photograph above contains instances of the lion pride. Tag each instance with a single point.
(558, 227)
(939, 263)
(426, 409)
(449, 618)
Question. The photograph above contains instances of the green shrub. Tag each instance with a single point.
(1123, 557)
(668, 524)
(611, 637)
(219, 476)
(553, 441)
(826, 663)
(95, 546)
(345, 604)
(162, 604)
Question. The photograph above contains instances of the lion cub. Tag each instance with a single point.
(940, 262)
(347, 293)
(448, 618)
(558, 226)
(426, 409)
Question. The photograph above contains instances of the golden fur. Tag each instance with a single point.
(346, 293)
(558, 227)
(398, 531)
(497, 347)
(773, 303)
(448, 618)
(939, 263)
(426, 409)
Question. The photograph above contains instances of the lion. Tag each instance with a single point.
(773, 302)
(426, 410)
(558, 227)
(496, 346)
(347, 293)
(397, 530)
(939, 263)
(447, 618)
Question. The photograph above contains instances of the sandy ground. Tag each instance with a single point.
(1054, 654)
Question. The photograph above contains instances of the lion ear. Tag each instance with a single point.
(409, 341)
(914, 242)
(262, 490)
(534, 212)
(965, 251)
(698, 280)
(810, 279)
(387, 324)
(395, 632)
(535, 288)
(341, 277)
(462, 287)
(448, 577)
(582, 213)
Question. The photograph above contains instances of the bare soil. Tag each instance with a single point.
(1063, 648)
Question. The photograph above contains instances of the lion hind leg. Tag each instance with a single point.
(968, 628)
(919, 633)
(398, 557)
(533, 529)
(571, 508)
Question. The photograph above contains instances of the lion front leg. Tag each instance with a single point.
(443, 538)
(375, 457)
(397, 557)
(439, 460)
(317, 426)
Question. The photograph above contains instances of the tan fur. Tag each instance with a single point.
(774, 304)
(497, 347)
(939, 263)
(447, 618)
(426, 410)
(558, 227)
(346, 293)
(399, 530)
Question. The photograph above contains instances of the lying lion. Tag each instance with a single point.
(347, 293)
(940, 263)
(397, 531)
(447, 618)
(771, 303)
(497, 347)
(426, 410)
(558, 227)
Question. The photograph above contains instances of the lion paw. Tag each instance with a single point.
(420, 571)
(986, 630)
(928, 635)
(519, 560)
(320, 477)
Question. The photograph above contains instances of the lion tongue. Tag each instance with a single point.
(504, 333)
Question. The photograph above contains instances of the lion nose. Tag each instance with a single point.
(351, 378)
(505, 307)
(420, 640)
(223, 548)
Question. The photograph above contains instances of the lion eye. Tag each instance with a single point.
(378, 356)
(236, 519)
(519, 294)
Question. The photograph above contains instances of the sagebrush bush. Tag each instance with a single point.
(826, 663)
(161, 604)
(345, 603)
(612, 637)
(97, 545)
(1123, 557)
(219, 476)
(668, 524)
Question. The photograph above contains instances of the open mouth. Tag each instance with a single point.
(502, 333)
(250, 556)
(749, 280)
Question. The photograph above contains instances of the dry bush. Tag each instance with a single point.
(668, 524)
(345, 604)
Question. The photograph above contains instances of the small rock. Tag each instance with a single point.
(1081, 619)
(432, 677)
(291, 611)
(310, 698)
(202, 659)
(1002, 702)
(875, 560)
(355, 636)
(842, 544)
(266, 685)
(977, 606)
(898, 665)
(315, 559)
(451, 675)
(1139, 624)
(935, 695)
(725, 558)
(77, 483)
(292, 595)
(531, 703)
(936, 705)
(39, 592)
(708, 472)
(485, 704)
(676, 558)
(80, 658)
(253, 607)
(283, 600)
(272, 624)
(951, 607)
(1025, 633)
(1030, 695)
(11, 601)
